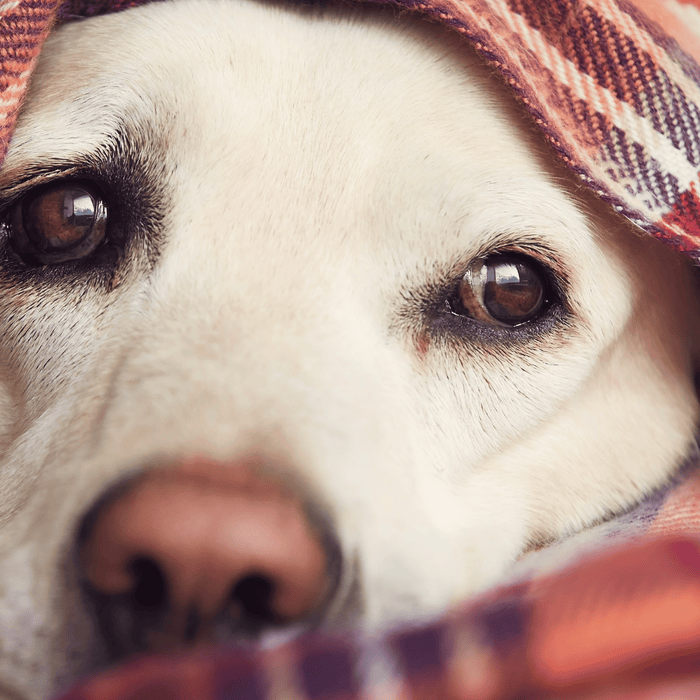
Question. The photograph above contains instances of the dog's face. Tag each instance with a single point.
(330, 246)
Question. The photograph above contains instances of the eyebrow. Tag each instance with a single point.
(130, 149)
(126, 159)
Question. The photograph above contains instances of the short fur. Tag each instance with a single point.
(299, 189)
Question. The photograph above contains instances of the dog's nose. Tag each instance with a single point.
(178, 554)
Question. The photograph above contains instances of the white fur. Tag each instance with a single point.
(320, 169)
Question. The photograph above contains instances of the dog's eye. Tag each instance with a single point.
(504, 290)
(56, 223)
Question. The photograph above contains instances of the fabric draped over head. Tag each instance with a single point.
(613, 84)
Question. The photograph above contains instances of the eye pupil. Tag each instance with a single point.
(60, 219)
(514, 291)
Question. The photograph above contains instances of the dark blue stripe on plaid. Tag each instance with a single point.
(681, 117)
(662, 40)
(242, 680)
(505, 623)
(329, 673)
(423, 651)
(640, 174)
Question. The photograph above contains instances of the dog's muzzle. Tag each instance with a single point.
(201, 551)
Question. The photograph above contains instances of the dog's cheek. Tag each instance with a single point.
(47, 335)
(7, 411)
(52, 344)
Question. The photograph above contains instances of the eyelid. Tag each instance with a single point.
(37, 178)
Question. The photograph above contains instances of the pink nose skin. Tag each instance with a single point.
(206, 528)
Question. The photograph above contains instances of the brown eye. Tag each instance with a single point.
(57, 223)
(504, 290)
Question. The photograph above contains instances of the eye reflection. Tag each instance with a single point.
(503, 290)
(54, 223)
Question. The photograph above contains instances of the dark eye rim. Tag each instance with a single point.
(11, 218)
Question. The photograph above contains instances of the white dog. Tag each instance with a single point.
(298, 298)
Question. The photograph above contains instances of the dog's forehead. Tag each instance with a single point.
(339, 127)
(238, 70)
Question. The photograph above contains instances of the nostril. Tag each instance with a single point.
(253, 596)
(173, 557)
(150, 591)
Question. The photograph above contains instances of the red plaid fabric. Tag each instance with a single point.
(615, 86)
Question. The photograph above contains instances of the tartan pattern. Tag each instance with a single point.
(616, 97)
(23, 28)
(615, 87)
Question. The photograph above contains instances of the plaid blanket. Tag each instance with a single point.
(613, 613)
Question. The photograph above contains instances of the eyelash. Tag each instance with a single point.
(446, 316)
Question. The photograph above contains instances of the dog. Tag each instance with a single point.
(303, 325)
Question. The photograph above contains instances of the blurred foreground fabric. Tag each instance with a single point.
(618, 618)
